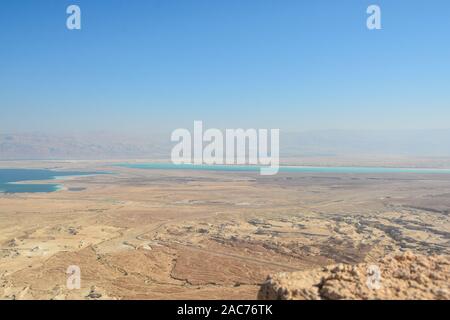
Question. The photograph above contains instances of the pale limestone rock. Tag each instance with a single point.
(401, 276)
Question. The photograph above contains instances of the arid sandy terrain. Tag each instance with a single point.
(149, 234)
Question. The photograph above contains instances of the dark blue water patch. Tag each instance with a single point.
(10, 179)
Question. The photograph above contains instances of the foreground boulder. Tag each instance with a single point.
(400, 276)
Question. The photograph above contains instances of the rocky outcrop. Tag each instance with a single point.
(399, 276)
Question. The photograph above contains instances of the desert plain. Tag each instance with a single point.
(185, 234)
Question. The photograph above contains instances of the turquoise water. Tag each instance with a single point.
(171, 166)
(10, 179)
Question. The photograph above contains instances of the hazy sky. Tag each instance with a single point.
(160, 64)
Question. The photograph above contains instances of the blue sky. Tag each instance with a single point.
(140, 66)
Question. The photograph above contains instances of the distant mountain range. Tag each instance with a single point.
(331, 143)
(95, 146)
(405, 143)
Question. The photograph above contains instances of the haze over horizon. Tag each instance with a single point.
(316, 143)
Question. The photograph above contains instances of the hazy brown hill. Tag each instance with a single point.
(94, 146)
(314, 147)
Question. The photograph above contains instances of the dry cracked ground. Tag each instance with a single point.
(149, 234)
